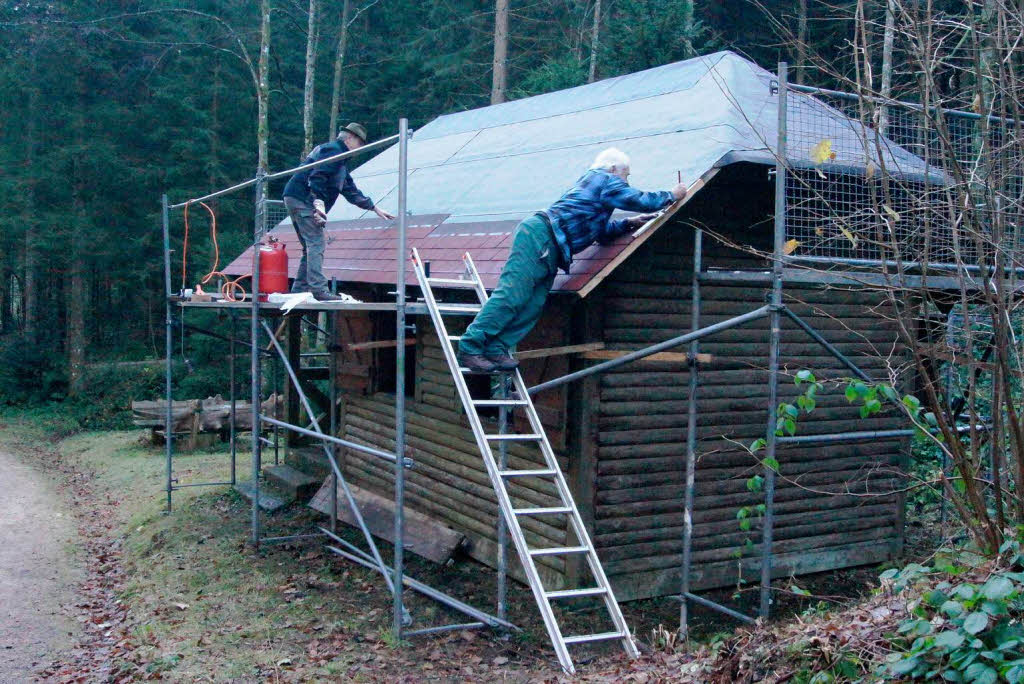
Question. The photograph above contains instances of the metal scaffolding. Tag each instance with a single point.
(260, 331)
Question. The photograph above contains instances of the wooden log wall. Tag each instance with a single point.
(449, 481)
(835, 505)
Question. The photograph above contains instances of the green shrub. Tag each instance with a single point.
(962, 631)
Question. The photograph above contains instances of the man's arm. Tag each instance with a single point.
(320, 178)
(620, 195)
(354, 196)
(620, 227)
(351, 193)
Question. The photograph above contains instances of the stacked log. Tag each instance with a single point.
(212, 414)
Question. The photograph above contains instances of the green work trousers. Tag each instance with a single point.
(517, 302)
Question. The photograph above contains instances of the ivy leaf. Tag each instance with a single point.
(757, 445)
(754, 484)
(804, 376)
(771, 463)
(994, 607)
(980, 673)
(790, 426)
(888, 392)
(743, 513)
(745, 524)
(975, 622)
(965, 591)
(905, 667)
(996, 588)
(851, 394)
(951, 640)
(951, 608)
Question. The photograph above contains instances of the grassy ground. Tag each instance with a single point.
(203, 605)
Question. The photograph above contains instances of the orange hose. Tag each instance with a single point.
(228, 288)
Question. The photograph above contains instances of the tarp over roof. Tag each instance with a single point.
(474, 175)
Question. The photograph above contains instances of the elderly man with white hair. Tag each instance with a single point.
(547, 241)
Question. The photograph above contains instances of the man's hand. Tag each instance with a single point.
(679, 191)
(641, 219)
(319, 213)
(383, 214)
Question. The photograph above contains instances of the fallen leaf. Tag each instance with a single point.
(790, 246)
(822, 152)
(500, 660)
(181, 606)
(869, 171)
(889, 210)
(849, 236)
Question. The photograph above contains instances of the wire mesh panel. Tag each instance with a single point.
(897, 182)
(274, 213)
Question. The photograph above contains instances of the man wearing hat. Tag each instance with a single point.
(310, 194)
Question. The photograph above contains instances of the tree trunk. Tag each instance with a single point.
(887, 43)
(499, 81)
(688, 29)
(214, 164)
(76, 292)
(263, 87)
(801, 42)
(595, 42)
(339, 66)
(30, 293)
(313, 37)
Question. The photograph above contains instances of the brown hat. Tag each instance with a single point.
(355, 129)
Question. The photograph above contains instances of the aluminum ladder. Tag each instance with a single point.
(499, 477)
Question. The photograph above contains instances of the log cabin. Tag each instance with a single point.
(622, 435)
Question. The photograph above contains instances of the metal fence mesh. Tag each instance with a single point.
(871, 183)
(274, 213)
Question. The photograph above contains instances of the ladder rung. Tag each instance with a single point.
(584, 638)
(451, 282)
(559, 551)
(527, 473)
(513, 437)
(572, 593)
(500, 402)
(542, 511)
(458, 308)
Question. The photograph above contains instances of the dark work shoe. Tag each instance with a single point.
(325, 296)
(476, 364)
(504, 362)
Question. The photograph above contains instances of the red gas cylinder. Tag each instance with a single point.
(273, 267)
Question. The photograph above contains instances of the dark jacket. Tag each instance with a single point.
(582, 216)
(326, 181)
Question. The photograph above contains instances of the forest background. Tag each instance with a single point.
(106, 104)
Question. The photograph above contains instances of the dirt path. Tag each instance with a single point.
(37, 571)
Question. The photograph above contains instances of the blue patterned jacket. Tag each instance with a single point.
(582, 215)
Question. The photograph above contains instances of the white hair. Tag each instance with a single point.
(612, 158)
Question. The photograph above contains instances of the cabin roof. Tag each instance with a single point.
(473, 175)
